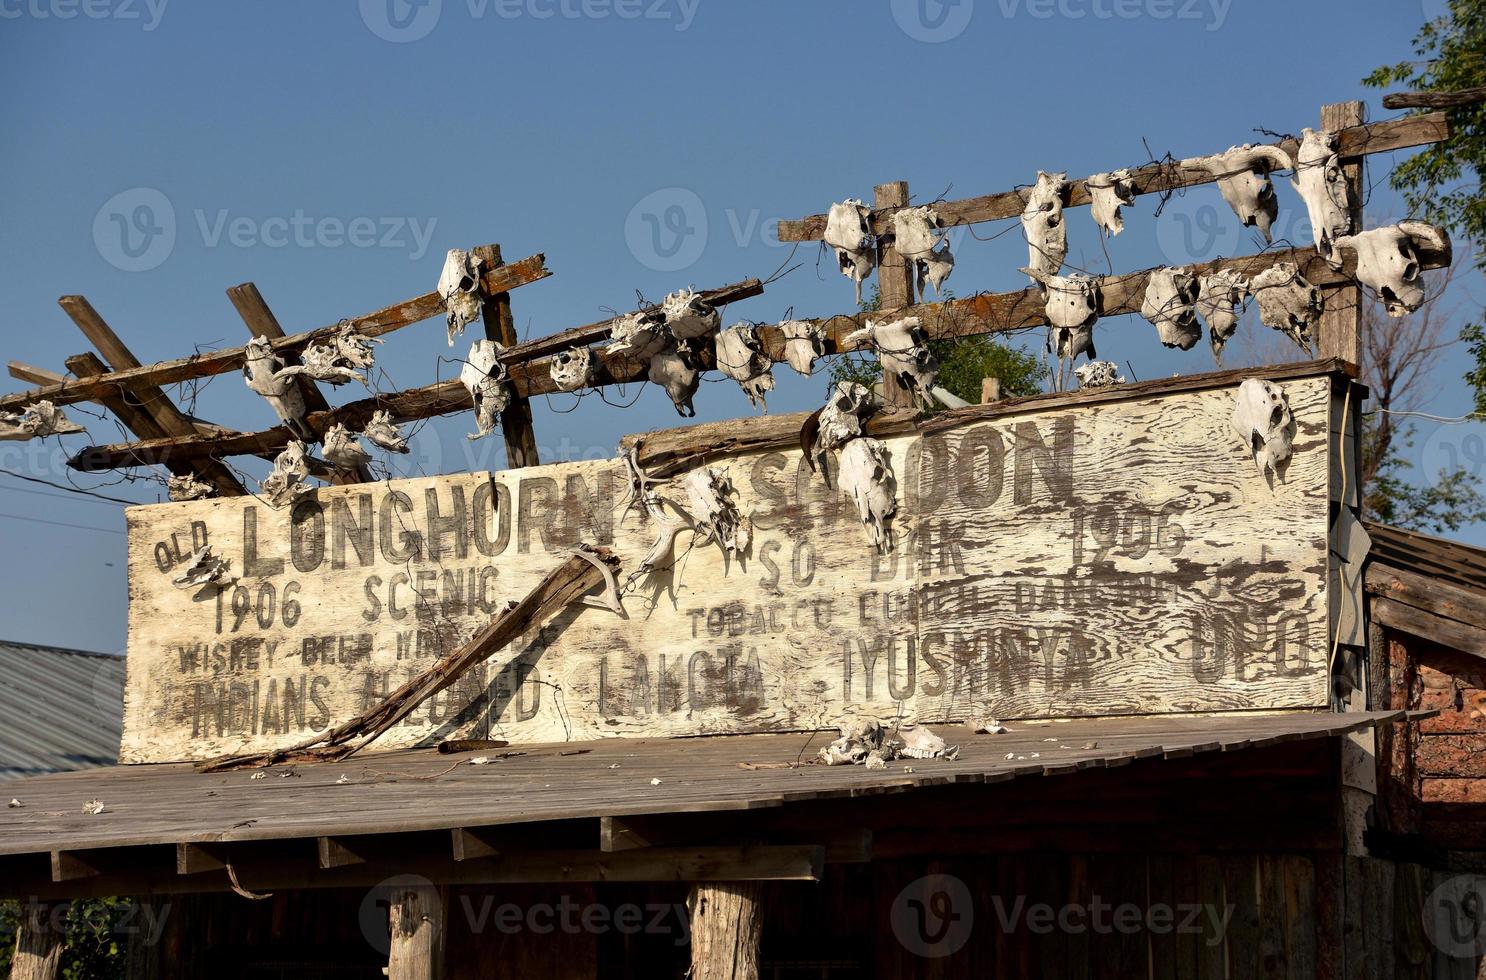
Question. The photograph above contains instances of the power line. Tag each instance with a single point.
(69, 488)
(54, 496)
(80, 527)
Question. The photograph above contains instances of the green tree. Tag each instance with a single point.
(94, 943)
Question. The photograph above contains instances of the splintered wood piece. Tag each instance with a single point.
(563, 586)
(30, 374)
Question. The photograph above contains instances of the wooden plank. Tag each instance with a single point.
(1448, 632)
(192, 859)
(727, 920)
(22, 371)
(261, 322)
(500, 326)
(71, 865)
(471, 844)
(417, 920)
(1435, 100)
(1202, 589)
(1357, 141)
(1424, 592)
(209, 363)
(337, 852)
(1341, 323)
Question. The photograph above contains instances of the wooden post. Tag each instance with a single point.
(894, 278)
(990, 390)
(500, 326)
(1341, 324)
(38, 951)
(417, 920)
(726, 921)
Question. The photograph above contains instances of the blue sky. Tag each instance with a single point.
(331, 151)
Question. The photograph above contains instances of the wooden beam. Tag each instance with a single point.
(471, 844)
(38, 945)
(193, 859)
(1435, 100)
(500, 326)
(152, 401)
(337, 852)
(209, 363)
(1438, 629)
(416, 918)
(261, 322)
(894, 278)
(22, 371)
(72, 865)
(1341, 323)
(1423, 592)
(726, 923)
(1156, 178)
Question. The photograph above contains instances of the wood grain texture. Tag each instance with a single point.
(1110, 556)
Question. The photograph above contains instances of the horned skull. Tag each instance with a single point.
(485, 377)
(285, 483)
(1107, 193)
(1098, 374)
(916, 236)
(866, 475)
(383, 433)
(572, 369)
(1072, 308)
(266, 374)
(1263, 421)
(674, 373)
(903, 349)
(1219, 298)
(688, 316)
(1388, 261)
(710, 492)
(341, 449)
(804, 341)
(849, 233)
(185, 486)
(639, 335)
(1242, 173)
(39, 420)
(336, 359)
(1323, 187)
(741, 356)
(1288, 302)
(1170, 298)
(1042, 223)
(841, 420)
(459, 287)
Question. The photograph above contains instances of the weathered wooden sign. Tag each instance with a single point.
(1118, 556)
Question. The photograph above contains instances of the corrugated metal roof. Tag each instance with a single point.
(59, 709)
(1451, 561)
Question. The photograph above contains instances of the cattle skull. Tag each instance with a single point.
(849, 233)
(185, 486)
(341, 449)
(205, 569)
(688, 316)
(710, 492)
(1242, 173)
(459, 287)
(859, 741)
(484, 377)
(804, 341)
(336, 359)
(1071, 304)
(1288, 302)
(903, 349)
(841, 420)
(916, 237)
(1098, 374)
(266, 374)
(572, 369)
(39, 420)
(1107, 193)
(740, 356)
(1323, 187)
(383, 433)
(1388, 261)
(1042, 223)
(1170, 298)
(866, 475)
(1219, 298)
(680, 380)
(1263, 421)
(639, 335)
(285, 483)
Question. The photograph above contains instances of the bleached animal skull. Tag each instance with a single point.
(639, 335)
(916, 236)
(1072, 308)
(1098, 374)
(740, 356)
(285, 483)
(841, 420)
(1107, 194)
(341, 449)
(903, 349)
(205, 568)
(804, 341)
(866, 475)
(849, 233)
(688, 316)
(672, 372)
(383, 433)
(1263, 421)
(572, 369)
(1170, 298)
(336, 359)
(1042, 223)
(1242, 173)
(1323, 187)
(459, 286)
(39, 420)
(185, 486)
(858, 741)
(1219, 298)
(1388, 261)
(1288, 302)
(710, 492)
(484, 377)
(917, 742)
(265, 373)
